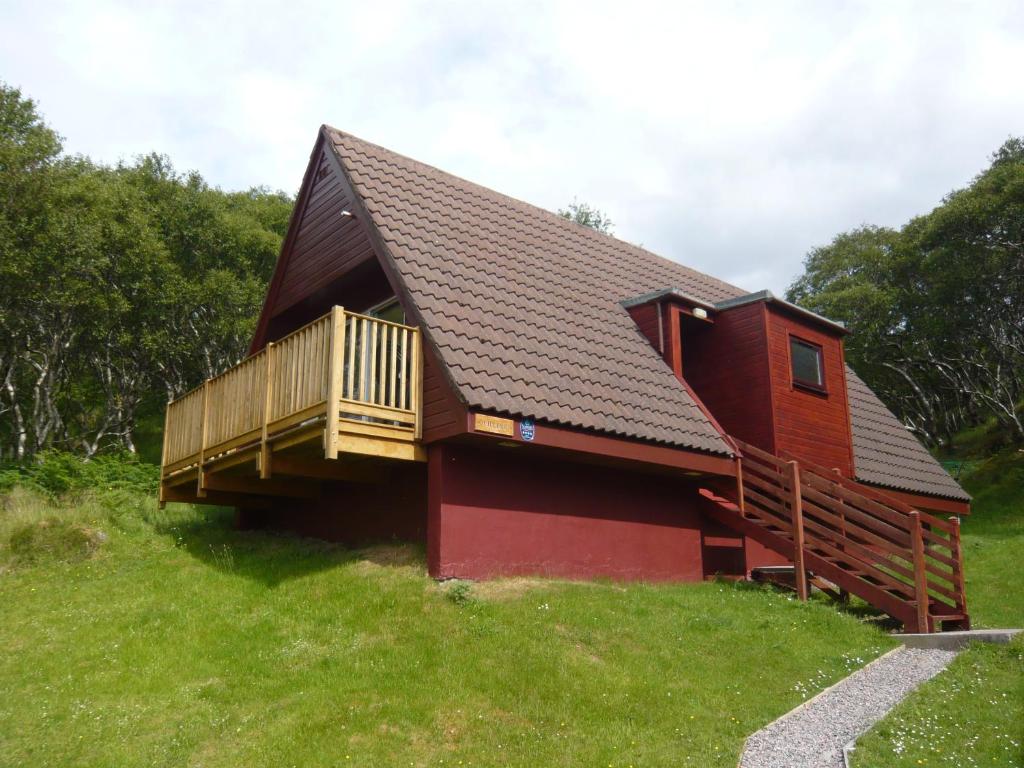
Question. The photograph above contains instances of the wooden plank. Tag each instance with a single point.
(376, 411)
(416, 381)
(292, 419)
(404, 401)
(351, 366)
(877, 495)
(880, 527)
(852, 550)
(336, 369)
(770, 510)
(852, 498)
(959, 584)
(364, 354)
(888, 581)
(376, 446)
(764, 486)
(760, 455)
(796, 508)
(372, 380)
(202, 439)
(242, 456)
(392, 432)
(220, 499)
(167, 431)
(322, 469)
(291, 489)
(856, 532)
(740, 500)
(393, 377)
(920, 577)
(268, 394)
(298, 435)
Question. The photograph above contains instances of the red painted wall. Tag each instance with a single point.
(726, 364)
(502, 513)
(808, 424)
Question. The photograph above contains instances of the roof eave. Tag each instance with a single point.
(770, 298)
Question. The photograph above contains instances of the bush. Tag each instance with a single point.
(58, 473)
(54, 538)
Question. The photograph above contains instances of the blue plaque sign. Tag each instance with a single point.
(526, 429)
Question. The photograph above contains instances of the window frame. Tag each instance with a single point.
(799, 383)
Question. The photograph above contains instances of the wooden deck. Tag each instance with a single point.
(332, 400)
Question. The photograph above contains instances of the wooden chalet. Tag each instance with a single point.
(438, 362)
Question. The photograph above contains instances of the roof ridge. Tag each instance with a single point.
(554, 217)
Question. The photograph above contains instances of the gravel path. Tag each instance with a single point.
(813, 734)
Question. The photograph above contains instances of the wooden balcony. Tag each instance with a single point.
(332, 400)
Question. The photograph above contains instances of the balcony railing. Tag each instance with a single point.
(356, 379)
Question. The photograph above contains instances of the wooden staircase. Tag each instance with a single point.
(848, 538)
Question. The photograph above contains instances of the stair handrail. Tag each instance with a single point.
(863, 530)
(929, 525)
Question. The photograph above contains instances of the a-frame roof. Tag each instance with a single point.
(522, 306)
(523, 309)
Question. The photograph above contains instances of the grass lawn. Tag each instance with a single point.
(170, 639)
(972, 714)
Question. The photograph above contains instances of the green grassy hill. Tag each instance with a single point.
(973, 714)
(135, 636)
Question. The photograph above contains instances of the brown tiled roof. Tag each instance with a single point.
(887, 454)
(523, 307)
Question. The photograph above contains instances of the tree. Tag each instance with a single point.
(119, 286)
(936, 308)
(584, 214)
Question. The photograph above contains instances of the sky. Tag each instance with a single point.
(730, 136)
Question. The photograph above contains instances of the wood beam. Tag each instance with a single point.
(273, 487)
(323, 469)
(216, 498)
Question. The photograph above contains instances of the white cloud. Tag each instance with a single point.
(732, 137)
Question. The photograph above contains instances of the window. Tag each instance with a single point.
(389, 310)
(805, 359)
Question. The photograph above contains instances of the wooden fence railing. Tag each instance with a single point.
(905, 561)
(354, 372)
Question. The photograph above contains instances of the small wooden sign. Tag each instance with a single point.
(494, 424)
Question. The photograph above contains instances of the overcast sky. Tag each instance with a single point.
(732, 137)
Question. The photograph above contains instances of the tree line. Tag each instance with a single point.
(120, 286)
(936, 307)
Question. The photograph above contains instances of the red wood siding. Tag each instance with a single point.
(808, 424)
(326, 244)
(443, 414)
(726, 364)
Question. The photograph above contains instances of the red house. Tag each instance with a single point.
(438, 362)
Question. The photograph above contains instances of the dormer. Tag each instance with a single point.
(769, 372)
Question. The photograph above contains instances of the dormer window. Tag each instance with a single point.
(806, 364)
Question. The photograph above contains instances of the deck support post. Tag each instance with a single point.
(797, 512)
(161, 496)
(958, 569)
(920, 576)
(200, 473)
(335, 373)
(268, 393)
